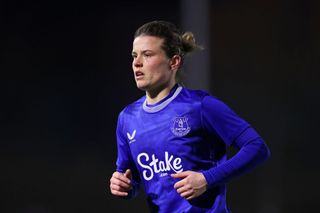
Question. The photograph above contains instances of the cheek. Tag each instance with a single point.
(159, 67)
(156, 68)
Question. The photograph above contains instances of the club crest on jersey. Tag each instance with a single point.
(180, 126)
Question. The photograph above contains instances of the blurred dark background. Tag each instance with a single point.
(65, 73)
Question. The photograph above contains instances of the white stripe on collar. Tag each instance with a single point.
(163, 104)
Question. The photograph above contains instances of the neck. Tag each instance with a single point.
(156, 95)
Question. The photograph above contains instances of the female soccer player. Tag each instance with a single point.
(174, 139)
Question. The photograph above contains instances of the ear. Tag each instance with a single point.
(175, 62)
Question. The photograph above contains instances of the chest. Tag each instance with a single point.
(164, 132)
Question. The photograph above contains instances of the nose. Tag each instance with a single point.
(137, 62)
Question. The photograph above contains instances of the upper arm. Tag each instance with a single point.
(219, 119)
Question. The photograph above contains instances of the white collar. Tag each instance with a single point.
(157, 108)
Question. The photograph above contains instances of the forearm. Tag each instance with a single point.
(252, 153)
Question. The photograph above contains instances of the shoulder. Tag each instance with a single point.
(194, 95)
(205, 100)
(132, 108)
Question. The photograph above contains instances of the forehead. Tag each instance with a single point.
(146, 42)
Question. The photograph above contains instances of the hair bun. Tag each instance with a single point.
(189, 42)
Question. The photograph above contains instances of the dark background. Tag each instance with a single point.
(66, 73)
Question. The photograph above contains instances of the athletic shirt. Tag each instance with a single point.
(187, 130)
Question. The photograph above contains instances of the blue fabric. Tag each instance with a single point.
(189, 133)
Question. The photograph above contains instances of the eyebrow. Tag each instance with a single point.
(143, 51)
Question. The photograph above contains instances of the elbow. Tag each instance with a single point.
(261, 150)
(264, 151)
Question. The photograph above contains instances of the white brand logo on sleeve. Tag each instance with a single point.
(154, 165)
(131, 137)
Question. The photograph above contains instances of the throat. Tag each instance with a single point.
(154, 98)
(151, 100)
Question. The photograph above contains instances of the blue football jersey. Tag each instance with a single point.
(187, 130)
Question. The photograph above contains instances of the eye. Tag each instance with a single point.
(147, 54)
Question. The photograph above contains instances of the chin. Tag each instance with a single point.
(142, 86)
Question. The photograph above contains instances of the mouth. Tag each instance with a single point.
(138, 74)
